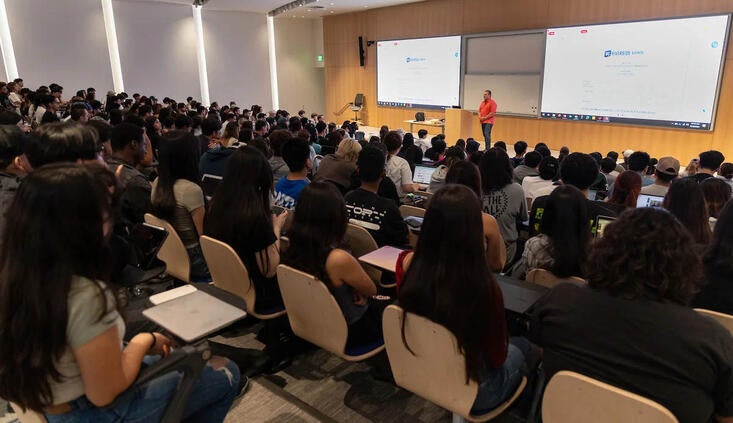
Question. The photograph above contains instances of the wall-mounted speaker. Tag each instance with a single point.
(361, 51)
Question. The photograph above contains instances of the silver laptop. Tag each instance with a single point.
(422, 174)
(645, 200)
(195, 315)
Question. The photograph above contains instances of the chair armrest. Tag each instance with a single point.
(189, 360)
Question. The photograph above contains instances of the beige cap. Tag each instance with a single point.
(669, 166)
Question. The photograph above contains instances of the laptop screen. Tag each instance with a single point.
(209, 183)
(645, 200)
(423, 174)
(601, 223)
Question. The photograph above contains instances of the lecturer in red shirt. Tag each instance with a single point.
(486, 114)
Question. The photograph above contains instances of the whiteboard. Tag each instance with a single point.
(514, 94)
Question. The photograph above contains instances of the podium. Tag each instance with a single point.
(458, 124)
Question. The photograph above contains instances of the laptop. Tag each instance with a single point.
(194, 315)
(147, 240)
(601, 222)
(646, 200)
(422, 174)
(592, 194)
(209, 183)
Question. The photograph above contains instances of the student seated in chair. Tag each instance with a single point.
(561, 247)
(178, 198)
(448, 281)
(467, 173)
(632, 327)
(317, 231)
(240, 215)
(296, 153)
(61, 332)
(379, 215)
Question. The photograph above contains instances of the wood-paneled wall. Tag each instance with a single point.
(344, 76)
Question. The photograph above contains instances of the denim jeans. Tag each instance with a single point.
(211, 397)
(497, 385)
(486, 129)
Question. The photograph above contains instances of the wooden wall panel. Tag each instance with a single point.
(501, 15)
(344, 76)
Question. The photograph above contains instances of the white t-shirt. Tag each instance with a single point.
(546, 190)
(398, 170)
(532, 184)
(423, 143)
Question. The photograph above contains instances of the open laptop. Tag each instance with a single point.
(601, 222)
(194, 315)
(422, 174)
(147, 240)
(209, 183)
(645, 200)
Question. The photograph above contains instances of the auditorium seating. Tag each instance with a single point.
(547, 279)
(432, 346)
(173, 253)
(574, 398)
(316, 317)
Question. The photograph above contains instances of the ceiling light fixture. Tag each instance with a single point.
(286, 7)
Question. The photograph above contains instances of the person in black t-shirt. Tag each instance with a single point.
(632, 328)
(379, 215)
(579, 170)
(710, 162)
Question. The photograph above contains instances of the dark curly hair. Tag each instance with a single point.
(646, 254)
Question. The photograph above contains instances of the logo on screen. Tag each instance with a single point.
(415, 59)
(607, 53)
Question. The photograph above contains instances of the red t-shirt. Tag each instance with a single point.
(486, 107)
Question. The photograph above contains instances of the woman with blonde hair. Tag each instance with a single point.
(230, 135)
(339, 168)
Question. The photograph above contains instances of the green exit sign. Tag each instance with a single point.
(319, 58)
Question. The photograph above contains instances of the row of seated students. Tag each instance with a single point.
(634, 270)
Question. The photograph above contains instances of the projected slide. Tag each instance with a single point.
(661, 73)
(422, 73)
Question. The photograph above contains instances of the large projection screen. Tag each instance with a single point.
(419, 73)
(661, 73)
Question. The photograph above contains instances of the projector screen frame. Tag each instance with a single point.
(420, 106)
(639, 122)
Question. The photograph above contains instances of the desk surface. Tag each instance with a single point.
(384, 258)
(519, 295)
(425, 122)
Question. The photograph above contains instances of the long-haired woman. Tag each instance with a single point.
(626, 190)
(177, 196)
(317, 231)
(61, 332)
(448, 281)
(717, 293)
(561, 247)
(467, 173)
(240, 215)
(686, 201)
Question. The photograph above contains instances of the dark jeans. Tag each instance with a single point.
(498, 385)
(369, 328)
(210, 400)
(486, 129)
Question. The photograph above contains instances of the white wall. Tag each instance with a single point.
(60, 41)
(157, 49)
(301, 84)
(237, 57)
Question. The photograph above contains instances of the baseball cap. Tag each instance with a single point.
(668, 166)
(627, 153)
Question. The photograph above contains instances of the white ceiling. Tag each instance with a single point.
(315, 9)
